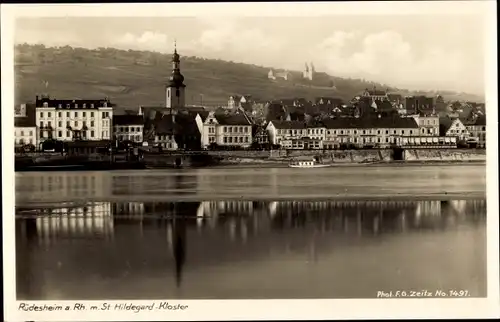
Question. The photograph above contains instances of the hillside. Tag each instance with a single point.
(133, 78)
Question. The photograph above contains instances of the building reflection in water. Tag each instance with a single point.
(244, 221)
(93, 220)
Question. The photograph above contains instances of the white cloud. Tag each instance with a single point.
(387, 57)
(149, 40)
(227, 40)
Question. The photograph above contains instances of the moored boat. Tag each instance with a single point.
(306, 163)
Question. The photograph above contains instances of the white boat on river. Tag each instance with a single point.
(307, 163)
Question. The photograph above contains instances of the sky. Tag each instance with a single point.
(412, 51)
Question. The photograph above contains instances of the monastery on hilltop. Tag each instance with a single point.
(307, 73)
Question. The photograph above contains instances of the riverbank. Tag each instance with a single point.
(245, 158)
(355, 157)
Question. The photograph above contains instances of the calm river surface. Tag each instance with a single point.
(228, 233)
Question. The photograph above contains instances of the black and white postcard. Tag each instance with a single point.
(250, 161)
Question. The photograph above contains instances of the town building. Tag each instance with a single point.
(260, 135)
(68, 120)
(375, 94)
(453, 127)
(477, 130)
(374, 132)
(285, 133)
(428, 124)
(236, 102)
(416, 104)
(224, 129)
(25, 125)
(128, 128)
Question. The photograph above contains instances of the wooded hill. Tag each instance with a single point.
(132, 78)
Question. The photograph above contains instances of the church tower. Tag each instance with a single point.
(175, 89)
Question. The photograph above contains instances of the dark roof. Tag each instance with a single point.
(480, 120)
(29, 120)
(376, 92)
(164, 125)
(72, 103)
(289, 124)
(204, 115)
(185, 124)
(233, 119)
(370, 123)
(128, 120)
(445, 123)
(395, 97)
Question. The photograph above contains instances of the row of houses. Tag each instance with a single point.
(370, 120)
(194, 127)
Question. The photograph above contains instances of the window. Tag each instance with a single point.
(411, 131)
(402, 131)
(225, 139)
(59, 123)
(84, 114)
(246, 129)
(76, 114)
(59, 114)
(50, 124)
(230, 129)
(225, 130)
(59, 133)
(41, 114)
(67, 105)
(394, 131)
(138, 129)
(22, 133)
(91, 114)
(246, 139)
(76, 123)
(41, 123)
(68, 133)
(91, 134)
(364, 132)
(67, 114)
(132, 129)
(386, 131)
(31, 133)
(91, 123)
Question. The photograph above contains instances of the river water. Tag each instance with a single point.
(257, 233)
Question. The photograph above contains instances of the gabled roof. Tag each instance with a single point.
(128, 120)
(204, 115)
(445, 123)
(234, 119)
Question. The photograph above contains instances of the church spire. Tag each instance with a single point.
(176, 79)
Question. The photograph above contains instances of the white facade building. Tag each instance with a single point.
(67, 120)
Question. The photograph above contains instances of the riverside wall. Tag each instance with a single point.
(357, 156)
